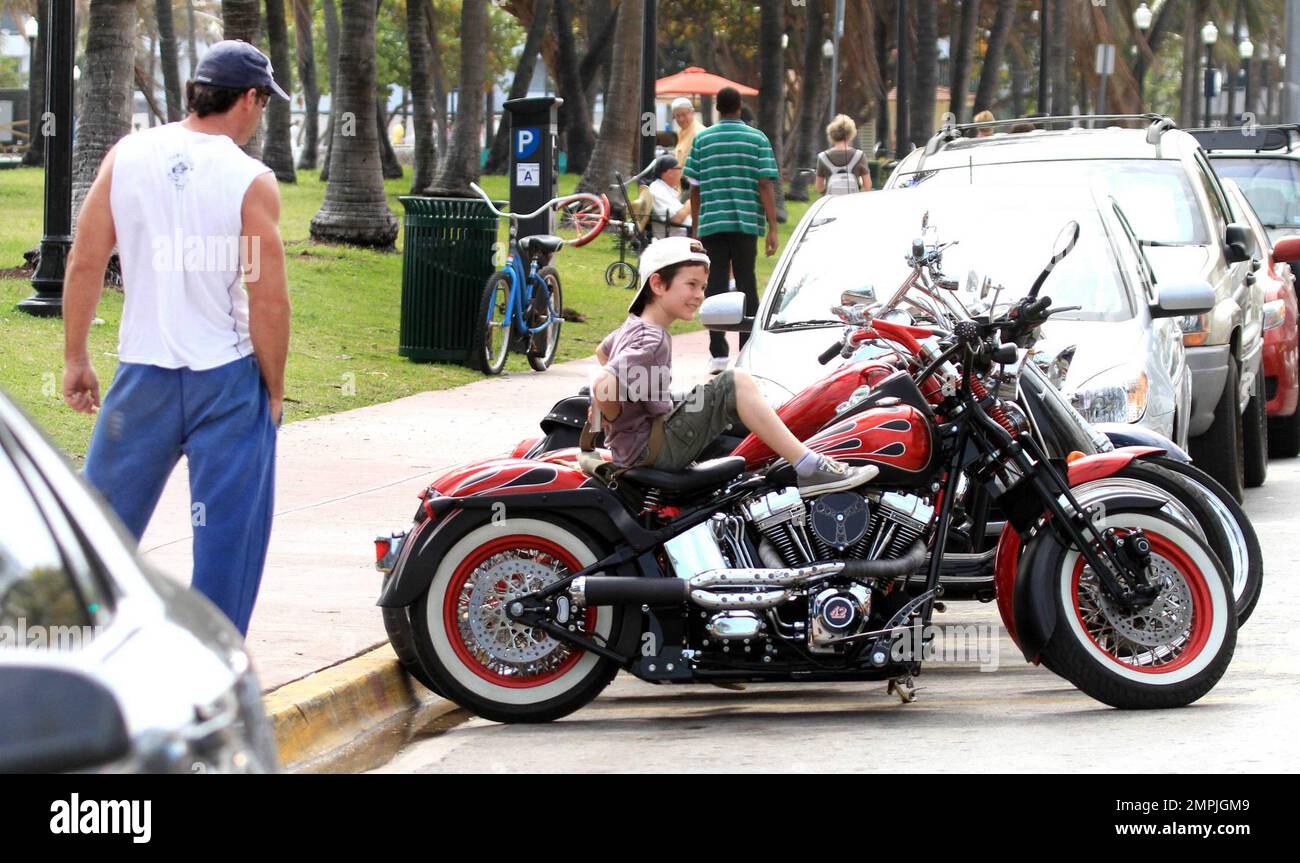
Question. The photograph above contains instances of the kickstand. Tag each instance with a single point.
(904, 687)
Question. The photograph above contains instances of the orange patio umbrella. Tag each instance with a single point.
(695, 81)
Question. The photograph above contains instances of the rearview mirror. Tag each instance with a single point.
(1240, 243)
(1287, 250)
(56, 720)
(858, 296)
(725, 312)
(1183, 298)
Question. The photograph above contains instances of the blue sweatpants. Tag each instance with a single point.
(221, 420)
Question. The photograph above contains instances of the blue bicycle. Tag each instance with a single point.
(522, 305)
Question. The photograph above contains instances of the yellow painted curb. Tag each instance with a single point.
(329, 709)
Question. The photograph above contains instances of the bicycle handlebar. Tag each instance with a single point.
(599, 201)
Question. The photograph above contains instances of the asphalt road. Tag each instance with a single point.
(1014, 718)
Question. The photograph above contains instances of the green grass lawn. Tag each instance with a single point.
(346, 311)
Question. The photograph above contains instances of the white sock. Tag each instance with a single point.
(807, 464)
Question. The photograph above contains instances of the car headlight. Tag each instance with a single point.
(1194, 329)
(1274, 314)
(1116, 396)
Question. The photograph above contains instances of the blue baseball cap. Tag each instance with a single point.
(237, 65)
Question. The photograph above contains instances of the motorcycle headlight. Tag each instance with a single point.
(1116, 396)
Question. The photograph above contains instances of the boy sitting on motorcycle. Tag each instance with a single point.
(630, 396)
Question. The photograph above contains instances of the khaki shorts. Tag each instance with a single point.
(709, 410)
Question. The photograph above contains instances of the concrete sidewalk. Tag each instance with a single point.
(344, 479)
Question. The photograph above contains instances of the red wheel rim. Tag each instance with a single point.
(453, 608)
(1202, 608)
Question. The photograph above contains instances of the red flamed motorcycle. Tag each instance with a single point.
(525, 584)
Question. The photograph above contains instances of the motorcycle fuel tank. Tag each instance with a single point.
(896, 439)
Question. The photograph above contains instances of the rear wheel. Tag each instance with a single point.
(492, 333)
(485, 662)
(1166, 654)
(1254, 426)
(544, 343)
(621, 274)
(1218, 451)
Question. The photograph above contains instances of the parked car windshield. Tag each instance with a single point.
(1271, 185)
(1156, 194)
(1005, 240)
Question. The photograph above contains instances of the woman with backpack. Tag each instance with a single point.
(842, 169)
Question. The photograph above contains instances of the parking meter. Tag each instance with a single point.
(534, 174)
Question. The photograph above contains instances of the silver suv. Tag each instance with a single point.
(1161, 179)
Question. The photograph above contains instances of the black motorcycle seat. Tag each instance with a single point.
(545, 244)
(698, 477)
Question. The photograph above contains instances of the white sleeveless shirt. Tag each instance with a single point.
(177, 197)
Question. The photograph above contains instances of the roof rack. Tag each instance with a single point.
(1278, 136)
(1158, 125)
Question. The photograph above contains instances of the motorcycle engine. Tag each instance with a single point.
(841, 525)
(836, 613)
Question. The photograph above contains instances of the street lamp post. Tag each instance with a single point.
(1044, 57)
(649, 63)
(1246, 50)
(900, 84)
(61, 50)
(1209, 35)
(1142, 21)
(837, 32)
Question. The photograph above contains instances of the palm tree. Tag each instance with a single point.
(170, 61)
(1059, 73)
(242, 19)
(499, 156)
(619, 128)
(960, 58)
(771, 85)
(302, 24)
(332, 58)
(998, 35)
(574, 118)
(107, 84)
(277, 151)
(417, 47)
(459, 164)
(921, 121)
(355, 209)
(808, 128)
(35, 155)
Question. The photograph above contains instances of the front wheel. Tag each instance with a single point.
(478, 656)
(1167, 654)
(492, 327)
(547, 306)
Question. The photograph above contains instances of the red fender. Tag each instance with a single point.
(1007, 560)
(521, 449)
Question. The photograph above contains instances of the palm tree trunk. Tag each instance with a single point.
(302, 24)
(355, 209)
(1189, 103)
(242, 19)
(771, 86)
(988, 86)
(959, 80)
(921, 121)
(808, 128)
(387, 155)
(170, 61)
(417, 48)
(498, 161)
(1060, 63)
(459, 165)
(107, 85)
(439, 78)
(192, 41)
(618, 128)
(35, 155)
(277, 151)
(574, 117)
(332, 55)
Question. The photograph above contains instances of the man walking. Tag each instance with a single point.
(201, 357)
(732, 170)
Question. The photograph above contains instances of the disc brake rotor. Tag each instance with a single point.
(1165, 623)
(502, 644)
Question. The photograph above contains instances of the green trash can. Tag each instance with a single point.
(446, 261)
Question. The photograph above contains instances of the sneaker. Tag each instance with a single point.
(832, 475)
(717, 365)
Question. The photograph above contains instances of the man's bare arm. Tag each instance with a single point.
(695, 208)
(268, 288)
(766, 192)
(83, 282)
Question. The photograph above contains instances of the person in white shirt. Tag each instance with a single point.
(670, 217)
(205, 323)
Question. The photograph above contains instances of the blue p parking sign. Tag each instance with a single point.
(526, 141)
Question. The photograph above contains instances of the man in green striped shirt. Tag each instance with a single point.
(732, 171)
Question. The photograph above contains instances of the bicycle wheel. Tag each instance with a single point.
(621, 274)
(492, 334)
(546, 304)
(581, 220)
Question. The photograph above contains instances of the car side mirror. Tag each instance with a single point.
(1287, 250)
(1240, 243)
(56, 720)
(725, 312)
(1183, 298)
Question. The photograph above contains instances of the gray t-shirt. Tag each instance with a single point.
(640, 357)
